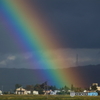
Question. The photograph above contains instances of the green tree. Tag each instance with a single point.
(52, 88)
(17, 86)
(38, 88)
(72, 87)
(78, 89)
(29, 87)
(94, 87)
(66, 88)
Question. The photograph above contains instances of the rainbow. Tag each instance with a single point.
(30, 31)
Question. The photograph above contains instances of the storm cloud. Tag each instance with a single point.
(77, 26)
(77, 21)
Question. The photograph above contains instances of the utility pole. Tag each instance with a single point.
(76, 59)
(2, 88)
(47, 89)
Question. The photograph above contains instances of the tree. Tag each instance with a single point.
(17, 86)
(72, 87)
(94, 87)
(44, 85)
(29, 87)
(66, 88)
(53, 88)
(38, 88)
(78, 89)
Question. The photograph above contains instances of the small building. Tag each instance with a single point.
(25, 92)
(28, 92)
(21, 91)
(98, 88)
(47, 92)
(35, 92)
(92, 94)
(1, 92)
(54, 92)
(96, 84)
(72, 94)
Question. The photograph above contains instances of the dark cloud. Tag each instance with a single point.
(64, 57)
(7, 43)
(77, 21)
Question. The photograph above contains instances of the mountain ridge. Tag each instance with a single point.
(11, 76)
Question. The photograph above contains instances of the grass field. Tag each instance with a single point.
(49, 97)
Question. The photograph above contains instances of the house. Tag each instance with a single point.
(47, 92)
(54, 92)
(92, 94)
(72, 94)
(1, 92)
(21, 91)
(28, 92)
(96, 84)
(35, 92)
(24, 91)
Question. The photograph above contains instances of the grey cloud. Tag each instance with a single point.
(64, 57)
(77, 21)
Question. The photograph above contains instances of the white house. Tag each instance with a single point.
(20, 91)
(98, 87)
(54, 92)
(1, 92)
(35, 92)
(28, 92)
(47, 92)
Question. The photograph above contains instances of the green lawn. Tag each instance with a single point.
(49, 97)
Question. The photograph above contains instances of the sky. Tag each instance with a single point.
(77, 26)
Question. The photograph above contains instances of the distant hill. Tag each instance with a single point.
(10, 77)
